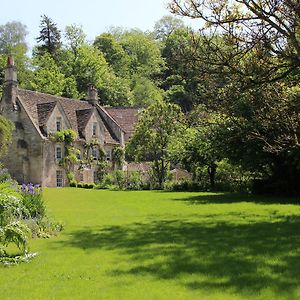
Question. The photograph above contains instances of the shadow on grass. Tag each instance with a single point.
(226, 198)
(245, 258)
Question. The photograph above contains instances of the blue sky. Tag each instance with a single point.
(95, 16)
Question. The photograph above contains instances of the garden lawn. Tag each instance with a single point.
(159, 245)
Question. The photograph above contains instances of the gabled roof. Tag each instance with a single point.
(44, 111)
(40, 106)
(126, 118)
(83, 117)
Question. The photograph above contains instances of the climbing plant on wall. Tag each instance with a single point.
(70, 158)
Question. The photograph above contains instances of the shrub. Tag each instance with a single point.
(12, 230)
(119, 179)
(80, 184)
(134, 181)
(33, 201)
(108, 180)
(73, 183)
(88, 185)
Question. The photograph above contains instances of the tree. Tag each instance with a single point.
(49, 37)
(12, 34)
(273, 25)
(166, 26)
(145, 92)
(144, 53)
(75, 37)
(158, 125)
(114, 53)
(47, 76)
(13, 42)
(255, 45)
(196, 148)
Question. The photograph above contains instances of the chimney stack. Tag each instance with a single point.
(10, 83)
(10, 71)
(92, 95)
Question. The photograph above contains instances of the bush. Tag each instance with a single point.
(12, 229)
(33, 201)
(88, 185)
(134, 181)
(80, 184)
(183, 185)
(73, 183)
(119, 179)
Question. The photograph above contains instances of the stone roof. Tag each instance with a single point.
(44, 111)
(83, 117)
(126, 118)
(40, 106)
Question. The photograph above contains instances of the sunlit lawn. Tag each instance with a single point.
(158, 245)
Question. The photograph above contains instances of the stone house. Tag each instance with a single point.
(33, 156)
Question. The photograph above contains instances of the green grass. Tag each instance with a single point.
(158, 245)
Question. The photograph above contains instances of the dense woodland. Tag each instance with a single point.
(220, 101)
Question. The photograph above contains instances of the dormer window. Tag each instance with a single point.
(94, 129)
(58, 124)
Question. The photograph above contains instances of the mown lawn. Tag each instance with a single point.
(158, 245)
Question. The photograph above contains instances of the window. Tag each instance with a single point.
(94, 153)
(94, 129)
(58, 124)
(58, 152)
(59, 178)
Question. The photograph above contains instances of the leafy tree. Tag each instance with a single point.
(47, 76)
(13, 42)
(166, 26)
(114, 53)
(145, 92)
(144, 53)
(12, 34)
(49, 37)
(158, 125)
(75, 37)
(269, 25)
(198, 148)
(258, 52)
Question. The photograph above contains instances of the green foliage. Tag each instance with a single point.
(73, 183)
(49, 37)
(12, 35)
(32, 200)
(159, 124)
(47, 76)
(144, 53)
(114, 53)
(6, 128)
(70, 158)
(75, 37)
(166, 26)
(12, 230)
(118, 156)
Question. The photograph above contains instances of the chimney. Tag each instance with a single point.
(10, 83)
(92, 95)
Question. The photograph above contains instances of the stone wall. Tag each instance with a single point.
(25, 153)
